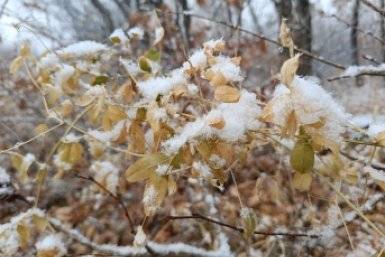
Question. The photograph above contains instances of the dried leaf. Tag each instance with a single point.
(302, 181)
(291, 125)
(137, 137)
(285, 37)
(159, 34)
(40, 223)
(217, 123)
(227, 94)
(144, 167)
(289, 69)
(24, 234)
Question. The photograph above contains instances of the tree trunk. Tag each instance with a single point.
(302, 33)
(354, 37)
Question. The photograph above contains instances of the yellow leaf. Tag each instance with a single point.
(40, 223)
(380, 139)
(76, 152)
(24, 234)
(226, 94)
(137, 137)
(144, 167)
(302, 181)
(288, 69)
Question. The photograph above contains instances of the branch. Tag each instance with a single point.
(374, 7)
(240, 229)
(368, 206)
(260, 36)
(117, 198)
(373, 164)
(158, 249)
(357, 71)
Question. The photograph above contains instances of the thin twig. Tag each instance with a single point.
(117, 198)
(239, 229)
(374, 7)
(262, 37)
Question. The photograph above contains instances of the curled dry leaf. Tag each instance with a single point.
(217, 123)
(285, 37)
(227, 94)
(302, 181)
(288, 70)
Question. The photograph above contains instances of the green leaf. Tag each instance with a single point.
(100, 80)
(115, 40)
(302, 155)
(153, 55)
(144, 64)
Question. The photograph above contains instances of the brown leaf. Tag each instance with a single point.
(289, 69)
(227, 94)
(144, 167)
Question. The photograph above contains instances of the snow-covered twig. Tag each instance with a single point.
(357, 71)
(158, 249)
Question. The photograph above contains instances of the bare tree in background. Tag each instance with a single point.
(298, 15)
(354, 36)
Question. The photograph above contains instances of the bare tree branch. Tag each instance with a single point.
(373, 7)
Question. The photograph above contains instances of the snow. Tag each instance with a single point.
(217, 161)
(162, 169)
(61, 164)
(136, 32)
(52, 242)
(106, 172)
(4, 177)
(376, 174)
(153, 87)
(375, 129)
(108, 136)
(79, 49)
(216, 44)
(202, 168)
(5, 183)
(9, 238)
(312, 104)
(238, 118)
(119, 33)
(225, 66)
(198, 60)
(71, 138)
(63, 75)
(353, 71)
(130, 66)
